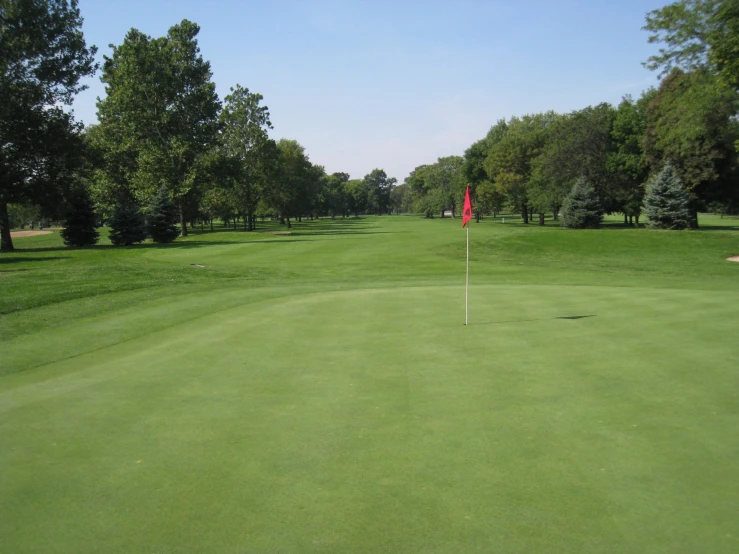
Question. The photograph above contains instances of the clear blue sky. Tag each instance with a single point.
(397, 84)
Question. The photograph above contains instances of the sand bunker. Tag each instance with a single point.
(15, 234)
(733, 259)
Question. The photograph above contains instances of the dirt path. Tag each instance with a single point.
(16, 234)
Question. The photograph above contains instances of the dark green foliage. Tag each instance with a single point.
(161, 221)
(581, 208)
(666, 202)
(160, 105)
(43, 58)
(128, 225)
(81, 223)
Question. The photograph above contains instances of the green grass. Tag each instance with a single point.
(318, 391)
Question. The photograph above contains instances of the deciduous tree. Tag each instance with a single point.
(160, 114)
(244, 140)
(43, 57)
(691, 125)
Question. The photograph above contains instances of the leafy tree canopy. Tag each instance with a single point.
(160, 115)
(697, 34)
(43, 57)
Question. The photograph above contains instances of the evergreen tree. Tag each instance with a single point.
(128, 225)
(161, 222)
(666, 202)
(81, 223)
(581, 208)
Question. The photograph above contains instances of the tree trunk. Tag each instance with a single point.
(693, 215)
(183, 221)
(631, 220)
(555, 215)
(442, 214)
(211, 224)
(289, 225)
(300, 219)
(525, 213)
(626, 219)
(636, 220)
(6, 241)
(541, 219)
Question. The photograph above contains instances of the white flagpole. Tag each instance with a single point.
(467, 281)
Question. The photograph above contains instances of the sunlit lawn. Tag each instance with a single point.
(318, 391)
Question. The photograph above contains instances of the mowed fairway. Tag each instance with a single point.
(319, 391)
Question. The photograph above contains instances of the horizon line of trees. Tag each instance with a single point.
(529, 164)
(163, 132)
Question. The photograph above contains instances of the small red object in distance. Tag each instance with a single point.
(467, 213)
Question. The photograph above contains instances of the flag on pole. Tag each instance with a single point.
(467, 213)
(466, 216)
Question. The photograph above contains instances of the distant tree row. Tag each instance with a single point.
(530, 164)
(162, 128)
(162, 131)
(164, 134)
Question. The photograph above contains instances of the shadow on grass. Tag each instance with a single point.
(147, 246)
(302, 228)
(717, 228)
(570, 317)
(18, 259)
(311, 233)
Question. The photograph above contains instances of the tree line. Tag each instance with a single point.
(166, 146)
(163, 136)
(530, 164)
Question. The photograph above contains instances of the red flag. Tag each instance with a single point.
(467, 213)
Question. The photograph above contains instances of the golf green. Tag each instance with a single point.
(319, 392)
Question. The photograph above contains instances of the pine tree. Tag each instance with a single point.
(161, 221)
(666, 202)
(581, 208)
(81, 223)
(128, 225)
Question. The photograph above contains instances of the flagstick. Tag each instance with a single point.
(467, 281)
